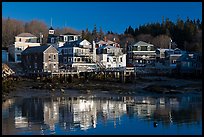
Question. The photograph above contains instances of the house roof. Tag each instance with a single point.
(110, 42)
(51, 28)
(72, 44)
(35, 49)
(142, 43)
(185, 57)
(101, 42)
(85, 42)
(26, 35)
(163, 50)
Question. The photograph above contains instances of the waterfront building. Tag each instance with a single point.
(77, 54)
(187, 63)
(107, 43)
(111, 56)
(22, 41)
(68, 37)
(141, 53)
(40, 59)
(52, 38)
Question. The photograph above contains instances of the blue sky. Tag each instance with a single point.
(111, 16)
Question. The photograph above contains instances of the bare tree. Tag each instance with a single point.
(36, 27)
(161, 41)
(10, 28)
(145, 37)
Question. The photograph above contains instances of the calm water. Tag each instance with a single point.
(110, 114)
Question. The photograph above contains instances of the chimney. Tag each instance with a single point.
(94, 51)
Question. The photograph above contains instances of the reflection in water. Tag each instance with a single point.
(67, 115)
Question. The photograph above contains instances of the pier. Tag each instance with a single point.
(120, 74)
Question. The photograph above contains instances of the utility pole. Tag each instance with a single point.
(170, 43)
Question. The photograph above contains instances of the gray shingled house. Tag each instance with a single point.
(40, 59)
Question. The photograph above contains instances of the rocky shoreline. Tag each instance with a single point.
(151, 85)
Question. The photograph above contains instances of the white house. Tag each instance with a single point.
(22, 41)
(68, 37)
(107, 43)
(77, 54)
(111, 57)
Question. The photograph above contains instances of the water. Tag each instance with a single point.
(110, 114)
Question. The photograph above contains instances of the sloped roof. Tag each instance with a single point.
(35, 49)
(85, 42)
(110, 42)
(72, 43)
(51, 28)
(101, 42)
(26, 35)
(185, 57)
(142, 43)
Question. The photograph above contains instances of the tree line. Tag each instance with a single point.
(186, 34)
(13, 27)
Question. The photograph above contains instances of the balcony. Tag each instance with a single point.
(82, 54)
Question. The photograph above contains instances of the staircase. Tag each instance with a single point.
(99, 64)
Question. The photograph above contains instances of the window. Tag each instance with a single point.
(18, 57)
(49, 59)
(114, 59)
(121, 59)
(70, 51)
(19, 49)
(65, 60)
(107, 59)
(148, 48)
(65, 51)
(139, 48)
(71, 38)
(54, 65)
(54, 56)
(20, 39)
(36, 65)
(52, 40)
(69, 59)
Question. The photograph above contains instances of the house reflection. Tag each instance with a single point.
(82, 113)
(51, 113)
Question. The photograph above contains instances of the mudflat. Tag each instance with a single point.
(145, 85)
